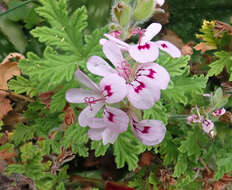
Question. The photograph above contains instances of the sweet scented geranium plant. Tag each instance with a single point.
(115, 98)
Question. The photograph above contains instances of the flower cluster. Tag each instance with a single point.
(135, 82)
(206, 124)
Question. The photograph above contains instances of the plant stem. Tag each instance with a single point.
(205, 166)
(17, 95)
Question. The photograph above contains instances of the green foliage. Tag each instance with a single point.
(23, 11)
(23, 85)
(65, 46)
(224, 164)
(190, 145)
(99, 148)
(175, 66)
(185, 88)
(158, 112)
(14, 33)
(126, 150)
(224, 61)
(76, 137)
(58, 100)
(168, 149)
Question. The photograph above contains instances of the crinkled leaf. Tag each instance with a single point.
(76, 137)
(99, 148)
(224, 61)
(126, 150)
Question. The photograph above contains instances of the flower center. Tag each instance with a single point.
(140, 32)
(124, 70)
(92, 100)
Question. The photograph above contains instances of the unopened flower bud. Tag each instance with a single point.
(219, 112)
(207, 126)
(122, 13)
(144, 9)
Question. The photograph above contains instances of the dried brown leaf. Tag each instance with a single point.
(8, 69)
(5, 106)
(204, 47)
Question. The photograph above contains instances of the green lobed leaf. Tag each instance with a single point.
(184, 88)
(175, 66)
(168, 149)
(76, 137)
(58, 100)
(181, 165)
(126, 150)
(99, 148)
(50, 70)
(158, 112)
(224, 164)
(224, 61)
(190, 145)
(23, 85)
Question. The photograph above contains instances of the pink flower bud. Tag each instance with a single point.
(219, 112)
(207, 125)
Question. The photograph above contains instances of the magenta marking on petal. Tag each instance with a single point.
(145, 46)
(140, 87)
(151, 74)
(164, 45)
(110, 116)
(108, 90)
(145, 130)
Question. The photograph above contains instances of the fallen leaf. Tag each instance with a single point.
(5, 106)
(46, 97)
(7, 155)
(146, 159)
(204, 47)
(69, 117)
(9, 68)
(187, 49)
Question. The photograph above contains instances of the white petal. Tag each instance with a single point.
(144, 55)
(117, 41)
(168, 47)
(99, 66)
(149, 132)
(113, 53)
(89, 113)
(116, 119)
(96, 123)
(151, 31)
(142, 96)
(154, 75)
(78, 95)
(160, 2)
(95, 134)
(109, 136)
(84, 79)
(113, 88)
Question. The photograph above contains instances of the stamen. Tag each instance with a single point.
(140, 32)
(92, 100)
(125, 68)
